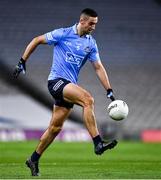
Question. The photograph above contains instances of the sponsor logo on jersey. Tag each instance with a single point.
(74, 59)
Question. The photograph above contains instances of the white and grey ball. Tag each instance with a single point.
(118, 110)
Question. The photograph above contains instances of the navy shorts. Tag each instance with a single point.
(55, 88)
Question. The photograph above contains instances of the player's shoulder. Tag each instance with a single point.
(65, 30)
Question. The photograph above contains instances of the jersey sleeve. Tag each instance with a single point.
(94, 54)
(54, 36)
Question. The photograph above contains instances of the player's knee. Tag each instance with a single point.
(55, 129)
(89, 100)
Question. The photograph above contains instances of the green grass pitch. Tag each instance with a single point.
(129, 160)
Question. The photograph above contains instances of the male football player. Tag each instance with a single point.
(73, 46)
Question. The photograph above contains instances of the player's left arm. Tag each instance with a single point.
(103, 77)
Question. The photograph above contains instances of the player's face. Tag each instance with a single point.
(89, 24)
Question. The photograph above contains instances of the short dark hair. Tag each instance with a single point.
(89, 12)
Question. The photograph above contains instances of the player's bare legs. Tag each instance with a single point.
(74, 94)
(59, 115)
(77, 95)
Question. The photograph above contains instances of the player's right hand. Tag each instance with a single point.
(21, 66)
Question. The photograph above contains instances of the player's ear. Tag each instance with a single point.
(83, 19)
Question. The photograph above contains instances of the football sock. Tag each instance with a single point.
(96, 140)
(35, 156)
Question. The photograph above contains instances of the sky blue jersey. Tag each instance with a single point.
(70, 52)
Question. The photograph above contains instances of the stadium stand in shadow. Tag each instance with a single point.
(129, 39)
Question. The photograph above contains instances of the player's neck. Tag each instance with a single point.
(80, 32)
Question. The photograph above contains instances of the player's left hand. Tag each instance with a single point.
(110, 94)
(21, 66)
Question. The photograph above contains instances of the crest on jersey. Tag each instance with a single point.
(87, 49)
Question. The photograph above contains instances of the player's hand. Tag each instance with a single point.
(110, 94)
(21, 66)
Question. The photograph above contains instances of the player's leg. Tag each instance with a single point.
(77, 95)
(58, 117)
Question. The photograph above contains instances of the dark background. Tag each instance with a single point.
(128, 35)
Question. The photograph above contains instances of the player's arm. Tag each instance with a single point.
(32, 46)
(103, 77)
(28, 51)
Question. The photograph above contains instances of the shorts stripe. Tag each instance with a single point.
(57, 85)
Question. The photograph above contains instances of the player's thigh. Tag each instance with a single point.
(76, 94)
(59, 115)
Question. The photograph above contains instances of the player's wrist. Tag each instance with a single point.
(110, 94)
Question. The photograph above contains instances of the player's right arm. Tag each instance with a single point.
(28, 51)
(32, 46)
